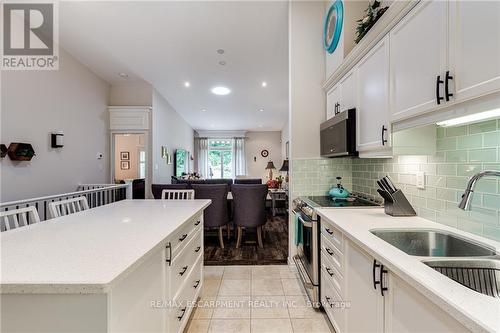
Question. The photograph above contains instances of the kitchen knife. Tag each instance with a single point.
(391, 183)
(382, 186)
(387, 197)
(387, 186)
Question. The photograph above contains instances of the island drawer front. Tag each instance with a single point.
(333, 304)
(334, 256)
(332, 234)
(184, 261)
(330, 273)
(182, 236)
(183, 303)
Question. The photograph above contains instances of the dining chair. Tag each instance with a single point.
(15, 218)
(249, 209)
(248, 181)
(68, 206)
(216, 215)
(157, 189)
(177, 194)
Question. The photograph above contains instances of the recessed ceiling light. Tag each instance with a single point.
(123, 75)
(221, 90)
(264, 84)
(220, 51)
(222, 63)
(203, 110)
(261, 110)
(187, 84)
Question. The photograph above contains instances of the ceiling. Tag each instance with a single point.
(168, 43)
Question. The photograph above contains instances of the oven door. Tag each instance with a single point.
(306, 260)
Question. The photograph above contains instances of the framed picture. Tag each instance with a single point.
(125, 155)
(125, 165)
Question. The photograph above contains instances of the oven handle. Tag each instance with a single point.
(305, 223)
(302, 274)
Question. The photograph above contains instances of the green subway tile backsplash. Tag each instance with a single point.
(461, 152)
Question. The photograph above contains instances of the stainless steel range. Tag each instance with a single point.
(307, 258)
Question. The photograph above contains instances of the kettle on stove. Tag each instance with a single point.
(338, 191)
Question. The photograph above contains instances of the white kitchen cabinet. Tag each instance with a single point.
(418, 57)
(342, 95)
(373, 125)
(332, 101)
(406, 310)
(366, 312)
(474, 48)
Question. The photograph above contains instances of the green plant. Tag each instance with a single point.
(373, 13)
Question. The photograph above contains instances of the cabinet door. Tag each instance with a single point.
(366, 313)
(373, 99)
(332, 98)
(406, 310)
(348, 91)
(474, 47)
(418, 56)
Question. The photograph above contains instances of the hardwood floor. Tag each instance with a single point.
(273, 252)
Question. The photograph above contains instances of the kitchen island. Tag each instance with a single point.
(134, 265)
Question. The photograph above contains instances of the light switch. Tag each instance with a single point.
(421, 180)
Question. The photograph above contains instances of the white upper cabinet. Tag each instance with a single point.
(418, 57)
(373, 131)
(474, 48)
(332, 101)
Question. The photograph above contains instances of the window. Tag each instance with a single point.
(220, 158)
(142, 164)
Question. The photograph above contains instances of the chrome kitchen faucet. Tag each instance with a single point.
(467, 196)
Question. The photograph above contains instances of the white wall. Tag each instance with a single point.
(255, 143)
(131, 143)
(131, 95)
(35, 103)
(285, 137)
(170, 130)
(307, 73)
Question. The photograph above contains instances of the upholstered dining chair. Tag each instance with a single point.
(253, 181)
(249, 208)
(215, 215)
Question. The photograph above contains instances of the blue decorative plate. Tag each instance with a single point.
(333, 26)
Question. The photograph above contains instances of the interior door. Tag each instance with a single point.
(366, 313)
(474, 47)
(418, 56)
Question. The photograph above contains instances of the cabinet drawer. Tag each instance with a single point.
(183, 262)
(330, 273)
(332, 254)
(333, 304)
(333, 234)
(182, 236)
(183, 304)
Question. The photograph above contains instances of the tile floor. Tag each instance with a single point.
(256, 299)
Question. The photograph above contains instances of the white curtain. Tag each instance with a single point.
(202, 157)
(239, 161)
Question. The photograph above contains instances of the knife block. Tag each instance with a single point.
(396, 204)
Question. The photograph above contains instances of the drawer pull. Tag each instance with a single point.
(197, 223)
(169, 259)
(183, 237)
(184, 269)
(330, 252)
(328, 301)
(329, 231)
(182, 315)
(197, 283)
(329, 271)
(197, 249)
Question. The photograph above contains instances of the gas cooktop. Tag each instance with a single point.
(327, 201)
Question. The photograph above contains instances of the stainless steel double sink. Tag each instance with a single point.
(472, 264)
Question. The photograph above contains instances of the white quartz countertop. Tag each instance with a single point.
(86, 252)
(478, 312)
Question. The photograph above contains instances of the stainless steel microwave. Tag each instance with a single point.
(338, 135)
